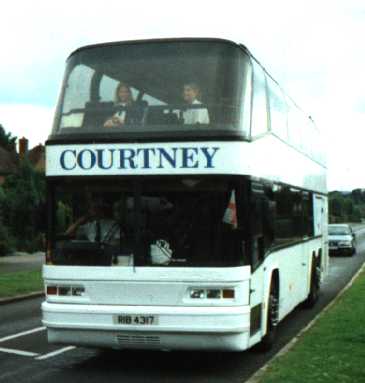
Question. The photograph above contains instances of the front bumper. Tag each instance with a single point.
(341, 250)
(203, 328)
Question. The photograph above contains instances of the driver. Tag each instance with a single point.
(98, 225)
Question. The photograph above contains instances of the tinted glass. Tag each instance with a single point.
(156, 222)
(289, 214)
(278, 110)
(338, 230)
(155, 87)
(259, 124)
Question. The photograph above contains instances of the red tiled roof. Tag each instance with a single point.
(36, 154)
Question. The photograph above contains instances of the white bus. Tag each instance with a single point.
(187, 204)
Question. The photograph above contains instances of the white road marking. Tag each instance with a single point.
(37, 329)
(18, 352)
(57, 352)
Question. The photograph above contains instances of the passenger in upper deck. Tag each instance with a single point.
(132, 113)
(191, 95)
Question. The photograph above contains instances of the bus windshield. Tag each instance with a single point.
(157, 221)
(155, 88)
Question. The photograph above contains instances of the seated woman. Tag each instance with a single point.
(131, 113)
(191, 93)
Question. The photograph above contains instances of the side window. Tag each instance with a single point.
(288, 215)
(76, 95)
(108, 87)
(77, 92)
(314, 145)
(278, 110)
(259, 122)
(152, 101)
(245, 115)
(296, 121)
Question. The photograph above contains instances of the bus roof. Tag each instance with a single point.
(162, 40)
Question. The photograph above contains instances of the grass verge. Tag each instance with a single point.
(333, 350)
(20, 283)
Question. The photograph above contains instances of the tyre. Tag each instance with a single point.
(272, 319)
(315, 285)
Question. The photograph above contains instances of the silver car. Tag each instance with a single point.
(341, 240)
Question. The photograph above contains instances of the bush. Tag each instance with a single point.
(7, 243)
(22, 203)
(31, 245)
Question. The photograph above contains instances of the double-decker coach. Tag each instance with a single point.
(187, 204)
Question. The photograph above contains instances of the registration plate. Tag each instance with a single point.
(136, 320)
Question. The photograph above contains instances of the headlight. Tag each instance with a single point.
(212, 293)
(64, 291)
(197, 293)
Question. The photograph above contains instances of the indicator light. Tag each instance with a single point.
(51, 290)
(228, 293)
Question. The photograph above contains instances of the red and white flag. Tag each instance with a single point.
(230, 215)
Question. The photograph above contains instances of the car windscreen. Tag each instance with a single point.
(166, 87)
(339, 230)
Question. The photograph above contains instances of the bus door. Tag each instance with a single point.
(320, 226)
(261, 238)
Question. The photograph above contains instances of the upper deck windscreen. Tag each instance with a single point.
(158, 89)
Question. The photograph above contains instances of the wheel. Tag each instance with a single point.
(272, 319)
(315, 285)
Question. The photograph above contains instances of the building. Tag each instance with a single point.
(37, 157)
(9, 161)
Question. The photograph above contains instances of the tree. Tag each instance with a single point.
(7, 141)
(348, 207)
(336, 207)
(24, 197)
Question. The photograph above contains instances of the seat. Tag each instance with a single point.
(96, 113)
(158, 116)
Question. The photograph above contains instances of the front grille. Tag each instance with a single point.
(333, 243)
(138, 340)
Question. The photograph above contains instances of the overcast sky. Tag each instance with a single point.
(314, 48)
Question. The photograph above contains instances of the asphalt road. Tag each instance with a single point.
(25, 355)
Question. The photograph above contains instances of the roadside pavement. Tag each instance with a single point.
(21, 261)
